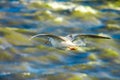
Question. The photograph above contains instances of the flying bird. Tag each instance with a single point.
(71, 41)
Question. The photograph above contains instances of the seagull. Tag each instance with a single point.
(70, 42)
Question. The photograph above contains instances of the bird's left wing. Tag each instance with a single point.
(47, 35)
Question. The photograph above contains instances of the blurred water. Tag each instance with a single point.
(22, 59)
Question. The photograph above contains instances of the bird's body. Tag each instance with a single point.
(69, 41)
(62, 44)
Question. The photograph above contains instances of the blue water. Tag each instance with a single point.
(34, 61)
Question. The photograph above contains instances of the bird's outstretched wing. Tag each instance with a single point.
(48, 35)
(85, 39)
(82, 36)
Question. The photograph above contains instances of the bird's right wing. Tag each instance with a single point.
(83, 36)
(83, 39)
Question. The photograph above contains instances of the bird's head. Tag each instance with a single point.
(71, 37)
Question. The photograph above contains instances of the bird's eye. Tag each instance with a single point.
(70, 36)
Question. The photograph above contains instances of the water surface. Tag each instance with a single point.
(22, 59)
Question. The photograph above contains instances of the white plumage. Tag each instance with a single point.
(70, 41)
